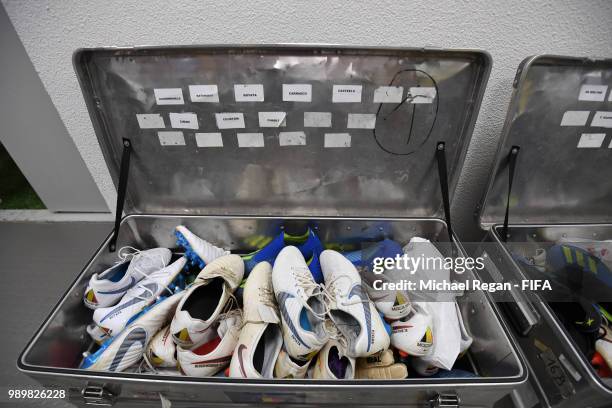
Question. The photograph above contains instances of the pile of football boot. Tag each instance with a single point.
(291, 309)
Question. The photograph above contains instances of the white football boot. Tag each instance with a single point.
(333, 363)
(301, 304)
(128, 348)
(413, 334)
(107, 288)
(214, 355)
(114, 319)
(350, 309)
(162, 350)
(198, 251)
(287, 367)
(97, 334)
(604, 346)
(393, 304)
(260, 339)
(206, 299)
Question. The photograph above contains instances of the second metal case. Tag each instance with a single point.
(558, 121)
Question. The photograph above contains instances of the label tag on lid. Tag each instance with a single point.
(249, 93)
(595, 93)
(183, 120)
(317, 119)
(171, 138)
(337, 140)
(272, 119)
(150, 121)
(169, 96)
(422, 94)
(388, 94)
(575, 118)
(204, 93)
(209, 140)
(361, 121)
(602, 119)
(591, 140)
(227, 120)
(292, 139)
(297, 92)
(250, 140)
(346, 93)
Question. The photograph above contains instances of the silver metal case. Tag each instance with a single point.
(560, 190)
(383, 185)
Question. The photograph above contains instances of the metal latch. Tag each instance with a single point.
(444, 401)
(98, 395)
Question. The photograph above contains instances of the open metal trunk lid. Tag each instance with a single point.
(560, 117)
(283, 130)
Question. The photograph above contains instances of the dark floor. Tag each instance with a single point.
(37, 263)
(15, 191)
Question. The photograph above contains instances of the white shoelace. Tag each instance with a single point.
(308, 285)
(331, 294)
(335, 334)
(149, 367)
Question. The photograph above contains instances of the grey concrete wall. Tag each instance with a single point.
(509, 30)
(36, 137)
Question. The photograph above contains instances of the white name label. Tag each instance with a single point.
(422, 94)
(272, 119)
(602, 119)
(169, 96)
(250, 140)
(292, 138)
(337, 140)
(183, 120)
(150, 121)
(595, 93)
(346, 93)
(297, 92)
(228, 120)
(204, 93)
(248, 93)
(575, 118)
(317, 119)
(171, 138)
(591, 140)
(388, 94)
(209, 140)
(361, 121)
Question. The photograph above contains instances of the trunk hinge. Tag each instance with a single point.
(446, 400)
(443, 176)
(511, 168)
(124, 171)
